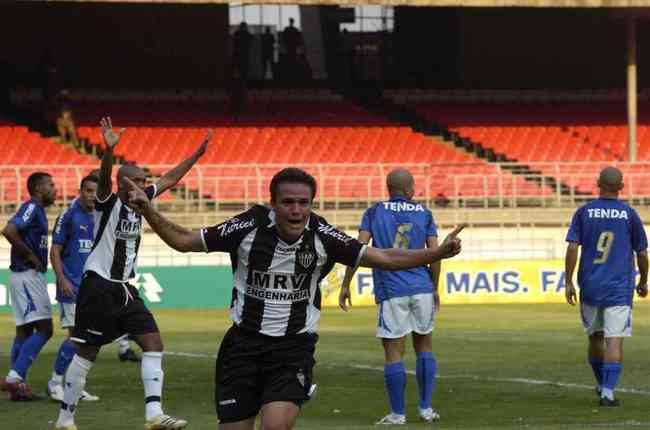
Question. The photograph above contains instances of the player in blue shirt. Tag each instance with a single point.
(408, 299)
(72, 241)
(609, 232)
(27, 232)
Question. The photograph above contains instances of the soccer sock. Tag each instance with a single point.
(597, 367)
(611, 373)
(395, 379)
(124, 345)
(75, 381)
(63, 358)
(29, 352)
(15, 350)
(152, 379)
(425, 372)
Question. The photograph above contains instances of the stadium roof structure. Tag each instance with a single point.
(456, 3)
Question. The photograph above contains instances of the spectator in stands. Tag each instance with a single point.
(241, 50)
(67, 129)
(268, 46)
(291, 39)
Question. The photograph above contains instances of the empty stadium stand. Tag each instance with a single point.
(568, 136)
(348, 149)
(25, 152)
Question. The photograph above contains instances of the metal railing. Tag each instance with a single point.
(218, 188)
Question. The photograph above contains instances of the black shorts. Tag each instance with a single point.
(253, 369)
(108, 310)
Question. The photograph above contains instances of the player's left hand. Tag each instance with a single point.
(570, 293)
(642, 290)
(345, 299)
(204, 145)
(138, 200)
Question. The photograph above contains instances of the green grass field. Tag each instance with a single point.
(487, 357)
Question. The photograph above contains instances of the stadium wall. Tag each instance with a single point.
(118, 45)
(513, 48)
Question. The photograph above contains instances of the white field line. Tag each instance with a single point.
(526, 381)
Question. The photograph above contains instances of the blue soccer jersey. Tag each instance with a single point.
(31, 222)
(399, 223)
(74, 231)
(608, 232)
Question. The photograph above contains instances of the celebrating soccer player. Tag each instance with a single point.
(407, 299)
(279, 256)
(108, 307)
(609, 233)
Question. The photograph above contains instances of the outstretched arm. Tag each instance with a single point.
(172, 177)
(570, 261)
(345, 299)
(400, 259)
(111, 138)
(174, 235)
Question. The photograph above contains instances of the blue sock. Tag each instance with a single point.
(611, 373)
(395, 379)
(597, 367)
(425, 372)
(15, 350)
(29, 352)
(64, 357)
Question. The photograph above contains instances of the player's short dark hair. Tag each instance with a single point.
(88, 178)
(295, 176)
(35, 179)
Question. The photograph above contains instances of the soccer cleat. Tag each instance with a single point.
(55, 391)
(129, 355)
(392, 419)
(18, 391)
(599, 391)
(312, 391)
(429, 415)
(609, 403)
(165, 422)
(87, 397)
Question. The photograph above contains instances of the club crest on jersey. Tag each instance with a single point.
(305, 257)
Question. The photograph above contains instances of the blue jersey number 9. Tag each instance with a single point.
(604, 246)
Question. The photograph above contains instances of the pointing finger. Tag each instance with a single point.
(458, 229)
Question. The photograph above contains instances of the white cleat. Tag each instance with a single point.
(392, 419)
(165, 422)
(429, 415)
(312, 391)
(87, 397)
(55, 391)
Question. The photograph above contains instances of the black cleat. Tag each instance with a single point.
(129, 355)
(604, 401)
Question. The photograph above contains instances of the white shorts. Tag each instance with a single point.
(400, 316)
(613, 321)
(29, 297)
(67, 314)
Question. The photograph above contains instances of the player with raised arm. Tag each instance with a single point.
(609, 232)
(72, 241)
(27, 232)
(279, 257)
(408, 299)
(108, 307)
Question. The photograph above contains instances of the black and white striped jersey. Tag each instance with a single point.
(276, 284)
(117, 238)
